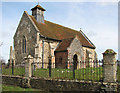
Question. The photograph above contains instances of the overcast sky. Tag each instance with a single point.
(98, 20)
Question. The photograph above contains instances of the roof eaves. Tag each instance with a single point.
(87, 39)
(49, 38)
(89, 47)
(61, 51)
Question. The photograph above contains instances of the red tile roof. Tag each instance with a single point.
(64, 44)
(55, 31)
(39, 7)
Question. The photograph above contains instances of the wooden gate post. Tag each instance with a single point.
(110, 66)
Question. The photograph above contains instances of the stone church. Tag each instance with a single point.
(41, 38)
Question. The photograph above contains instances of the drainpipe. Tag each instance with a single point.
(42, 53)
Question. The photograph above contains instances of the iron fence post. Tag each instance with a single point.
(49, 67)
(73, 70)
(32, 69)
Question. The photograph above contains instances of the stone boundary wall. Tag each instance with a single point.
(51, 85)
(15, 80)
(64, 85)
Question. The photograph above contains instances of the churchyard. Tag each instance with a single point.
(98, 76)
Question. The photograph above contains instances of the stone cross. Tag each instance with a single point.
(110, 66)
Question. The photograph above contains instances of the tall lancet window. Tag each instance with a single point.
(24, 44)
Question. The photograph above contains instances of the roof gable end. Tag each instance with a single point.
(64, 44)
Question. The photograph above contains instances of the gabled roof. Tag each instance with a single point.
(64, 44)
(39, 7)
(58, 32)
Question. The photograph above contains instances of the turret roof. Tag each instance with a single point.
(39, 7)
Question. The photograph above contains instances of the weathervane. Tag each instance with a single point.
(38, 2)
(80, 29)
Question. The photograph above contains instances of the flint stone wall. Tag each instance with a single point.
(51, 85)
(26, 29)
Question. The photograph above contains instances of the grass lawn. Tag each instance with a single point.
(89, 73)
(17, 71)
(81, 74)
(118, 73)
(16, 88)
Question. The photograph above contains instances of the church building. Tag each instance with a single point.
(41, 38)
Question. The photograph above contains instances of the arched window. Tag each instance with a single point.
(24, 44)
